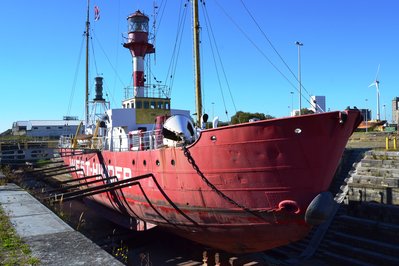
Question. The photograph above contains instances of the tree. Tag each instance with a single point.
(241, 117)
(305, 111)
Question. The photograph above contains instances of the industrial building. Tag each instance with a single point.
(46, 128)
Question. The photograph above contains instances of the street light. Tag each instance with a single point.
(292, 103)
(213, 110)
(315, 106)
(367, 110)
(385, 113)
(299, 44)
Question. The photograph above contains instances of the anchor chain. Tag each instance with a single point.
(191, 161)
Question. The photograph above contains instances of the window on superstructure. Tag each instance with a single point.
(160, 105)
(136, 25)
(146, 105)
(152, 105)
(139, 104)
(167, 106)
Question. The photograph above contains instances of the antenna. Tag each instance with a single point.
(154, 29)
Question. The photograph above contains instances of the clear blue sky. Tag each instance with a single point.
(344, 42)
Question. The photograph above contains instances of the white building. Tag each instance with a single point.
(318, 104)
(19, 128)
(45, 128)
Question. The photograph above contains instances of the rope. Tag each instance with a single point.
(275, 50)
(170, 76)
(93, 53)
(261, 52)
(75, 78)
(109, 62)
(213, 43)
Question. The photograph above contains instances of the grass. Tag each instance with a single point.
(5, 170)
(13, 251)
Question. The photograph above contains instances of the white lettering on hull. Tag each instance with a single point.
(90, 168)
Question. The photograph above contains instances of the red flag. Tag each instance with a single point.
(96, 13)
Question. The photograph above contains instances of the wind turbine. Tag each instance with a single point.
(376, 83)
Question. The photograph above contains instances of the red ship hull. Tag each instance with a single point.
(251, 188)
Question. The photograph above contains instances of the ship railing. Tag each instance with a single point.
(137, 140)
(97, 143)
(90, 143)
(65, 142)
(150, 91)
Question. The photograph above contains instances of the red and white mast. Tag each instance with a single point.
(139, 47)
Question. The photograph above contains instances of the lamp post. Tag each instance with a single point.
(315, 106)
(299, 44)
(213, 109)
(367, 110)
(385, 113)
(292, 103)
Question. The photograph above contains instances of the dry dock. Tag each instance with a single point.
(51, 240)
(363, 229)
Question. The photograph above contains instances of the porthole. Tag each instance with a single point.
(133, 162)
(144, 162)
(172, 162)
(157, 162)
(109, 161)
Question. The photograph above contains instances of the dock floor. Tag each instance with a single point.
(50, 239)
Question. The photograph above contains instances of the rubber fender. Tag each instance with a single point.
(320, 209)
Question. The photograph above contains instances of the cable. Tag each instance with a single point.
(213, 43)
(278, 54)
(176, 49)
(113, 68)
(256, 47)
(75, 78)
(260, 51)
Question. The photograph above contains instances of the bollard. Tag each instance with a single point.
(387, 143)
(204, 258)
(231, 260)
(217, 261)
